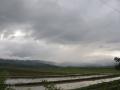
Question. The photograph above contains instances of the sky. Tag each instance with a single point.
(73, 32)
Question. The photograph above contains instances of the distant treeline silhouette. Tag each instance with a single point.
(24, 63)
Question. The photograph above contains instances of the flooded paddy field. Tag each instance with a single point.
(65, 78)
(68, 86)
(33, 80)
(64, 86)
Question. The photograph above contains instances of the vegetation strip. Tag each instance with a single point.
(50, 76)
(65, 81)
(44, 72)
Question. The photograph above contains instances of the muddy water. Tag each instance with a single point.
(74, 85)
(16, 81)
(67, 86)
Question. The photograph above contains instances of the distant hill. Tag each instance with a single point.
(25, 63)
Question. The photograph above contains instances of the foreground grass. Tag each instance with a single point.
(2, 86)
(114, 85)
(3, 77)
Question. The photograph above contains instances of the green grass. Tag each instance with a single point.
(4, 75)
(114, 85)
(58, 71)
(2, 86)
(88, 70)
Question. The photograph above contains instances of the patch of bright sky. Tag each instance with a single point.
(19, 33)
(106, 53)
(16, 34)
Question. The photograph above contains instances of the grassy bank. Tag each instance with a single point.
(114, 85)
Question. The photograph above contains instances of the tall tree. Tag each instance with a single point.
(117, 60)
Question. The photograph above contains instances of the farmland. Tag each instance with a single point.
(114, 85)
(30, 75)
(60, 72)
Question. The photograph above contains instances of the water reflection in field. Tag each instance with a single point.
(67, 86)
(23, 80)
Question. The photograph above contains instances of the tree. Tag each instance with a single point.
(117, 60)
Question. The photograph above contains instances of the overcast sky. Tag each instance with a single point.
(81, 32)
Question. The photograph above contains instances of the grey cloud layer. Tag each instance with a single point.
(62, 22)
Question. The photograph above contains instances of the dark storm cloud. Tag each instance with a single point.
(64, 21)
(73, 27)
